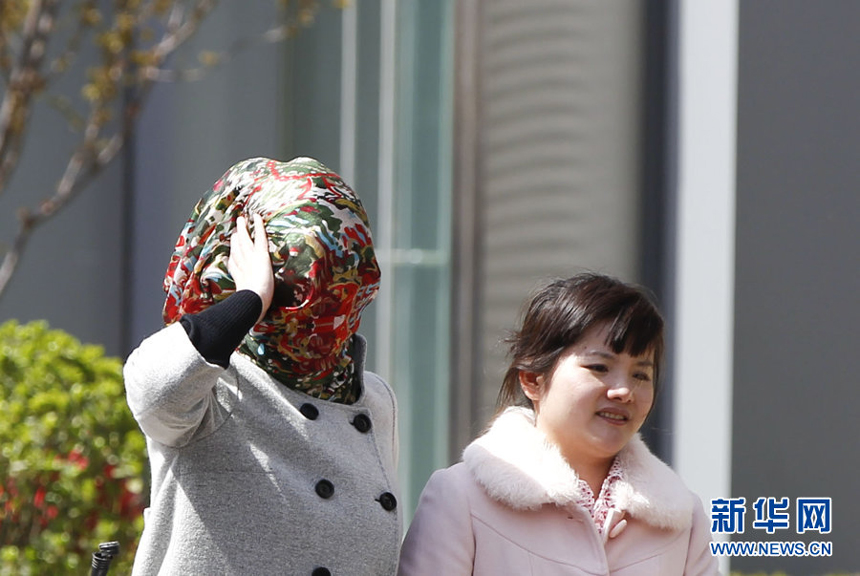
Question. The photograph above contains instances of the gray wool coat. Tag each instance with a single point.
(250, 477)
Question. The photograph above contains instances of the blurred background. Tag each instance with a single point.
(708, 150)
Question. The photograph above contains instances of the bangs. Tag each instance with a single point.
(636, 329)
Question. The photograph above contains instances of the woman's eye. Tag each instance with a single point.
(598, 368)
(642, 376)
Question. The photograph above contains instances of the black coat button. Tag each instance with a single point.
(325, 489)
(388, 501)
(321, 572)
(309, 411)
(362, 423)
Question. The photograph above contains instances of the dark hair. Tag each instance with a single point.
(560, 313)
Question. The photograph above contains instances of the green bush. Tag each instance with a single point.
(72, 461)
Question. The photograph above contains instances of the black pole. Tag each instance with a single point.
(658, 185)
(103, 558)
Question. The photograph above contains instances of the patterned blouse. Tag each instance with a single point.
(600, 507)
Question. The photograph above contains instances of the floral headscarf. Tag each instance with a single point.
(324, 264)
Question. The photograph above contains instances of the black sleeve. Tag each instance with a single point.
(217, 331)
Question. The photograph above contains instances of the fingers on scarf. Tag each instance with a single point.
(261, 240)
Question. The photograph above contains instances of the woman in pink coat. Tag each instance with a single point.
(561, 483)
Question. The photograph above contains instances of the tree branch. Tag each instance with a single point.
(305, 13)
(123, 70)
(24, 82)
(89, 158)
(82, 167)
(270, 36)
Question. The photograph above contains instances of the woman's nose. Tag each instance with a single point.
(621, 390)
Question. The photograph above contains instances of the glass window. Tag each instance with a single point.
(370, 95)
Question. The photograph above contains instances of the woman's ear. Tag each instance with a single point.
(532, 384)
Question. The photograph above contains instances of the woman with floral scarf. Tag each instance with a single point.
(272, 450)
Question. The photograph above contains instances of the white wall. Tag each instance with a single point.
(704, 313)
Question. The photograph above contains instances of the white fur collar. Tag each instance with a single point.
(516, 465)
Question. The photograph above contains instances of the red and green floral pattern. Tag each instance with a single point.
(323, 259)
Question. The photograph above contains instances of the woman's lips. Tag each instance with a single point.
(615, 417)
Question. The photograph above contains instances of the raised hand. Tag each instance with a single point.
(249, 263)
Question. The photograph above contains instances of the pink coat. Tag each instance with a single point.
(510, 508)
